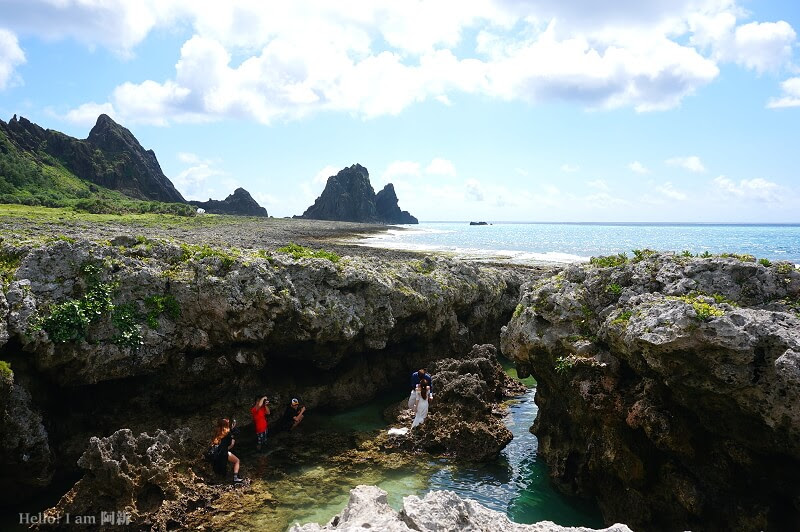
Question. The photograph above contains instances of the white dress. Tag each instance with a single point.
(422, 409)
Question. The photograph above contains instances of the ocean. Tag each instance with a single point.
(577, 242)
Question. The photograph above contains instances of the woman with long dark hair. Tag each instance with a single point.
(223, 441)
(423, 393)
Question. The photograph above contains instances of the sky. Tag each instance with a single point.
(516, 110)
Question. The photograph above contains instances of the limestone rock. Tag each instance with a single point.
(211, 325)
(669, 388)
(239, 203)
(145, 476)
(464, 419)
(438, 511)
(25, 455)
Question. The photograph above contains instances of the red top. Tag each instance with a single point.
(259, 418)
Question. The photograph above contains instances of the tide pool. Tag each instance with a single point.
(315, 488)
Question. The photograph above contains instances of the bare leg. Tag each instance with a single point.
(232, 458)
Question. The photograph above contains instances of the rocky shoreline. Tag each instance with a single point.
(145, 334)
(669, 388)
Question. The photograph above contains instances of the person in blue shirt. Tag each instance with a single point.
(416, 377)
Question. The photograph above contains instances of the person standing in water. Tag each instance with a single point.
(423, 394)
(260, 411)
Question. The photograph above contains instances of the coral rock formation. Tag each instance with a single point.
(669, 388)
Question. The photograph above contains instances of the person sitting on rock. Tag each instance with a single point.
(224, 441)
(260, 411)
(416, 377)
(294, 415)
(422, 392)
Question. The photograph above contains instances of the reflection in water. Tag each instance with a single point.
(312, 485)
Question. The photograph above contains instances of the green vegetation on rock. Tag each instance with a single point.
(5, 370)
(297, 252)
(609, 261)
(157, 305)
(704, 310)
(563, 365)
(614, 288)
(623, 317)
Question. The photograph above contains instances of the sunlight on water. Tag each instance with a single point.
(316, 490)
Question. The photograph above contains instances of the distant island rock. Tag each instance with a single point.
(239, 203)
(388, 209)
(110, 157)
(478, 223)
(349, 197)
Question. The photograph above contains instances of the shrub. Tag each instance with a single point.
(609, 260)
(765, 262)
(641, 254)
(614, 288)
(124, 318)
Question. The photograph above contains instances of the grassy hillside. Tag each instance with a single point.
(37, 179)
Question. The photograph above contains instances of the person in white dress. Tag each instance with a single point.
(423, 394)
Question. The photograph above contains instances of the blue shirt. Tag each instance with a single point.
(415, 380)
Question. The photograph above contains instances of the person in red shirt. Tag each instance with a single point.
(260, 411)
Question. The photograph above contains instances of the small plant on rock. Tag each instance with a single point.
(563, 365)
(623, 317)
(614, 288)
(609, 261)
(5, 370)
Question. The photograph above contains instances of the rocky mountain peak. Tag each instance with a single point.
(349, 197)
(386, 203)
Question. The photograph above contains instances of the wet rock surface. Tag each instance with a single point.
(669, 388)
(368, 508)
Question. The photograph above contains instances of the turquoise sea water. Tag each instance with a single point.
(515, 483)
(566, 242)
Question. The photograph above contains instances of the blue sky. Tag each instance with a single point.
(541, 110)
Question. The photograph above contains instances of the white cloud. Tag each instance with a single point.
(668, 190)
(757, 189)
(474, 189)
(439, 166)
(759, 46)
(401, 169)
(570, 168)
(193, 182)
(11, 56)
(267, 62)
(323, 175)
(638, 167)
(791, 95)
(86, 114)
(598, 184)
(691, 163)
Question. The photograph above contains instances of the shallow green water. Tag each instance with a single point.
(312, 489)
